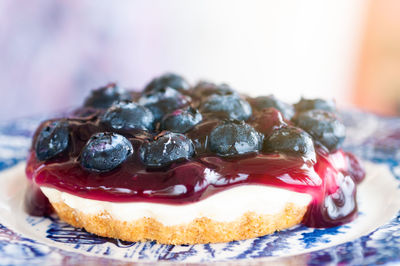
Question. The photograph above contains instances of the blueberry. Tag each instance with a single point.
(105, 96)
(205, 89)
(52, 140)
(231, 139)
(163, 101)
(227, 106)
(268, 120)
(127, 116)
(170, 80)
(105, 151)
(262, 102)
(291, 140)
(181, 120)
(311, 104)
(323, 126)
(166, 149)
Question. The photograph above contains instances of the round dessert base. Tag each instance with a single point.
(199, 231)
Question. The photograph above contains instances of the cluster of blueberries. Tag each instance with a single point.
(169, 109)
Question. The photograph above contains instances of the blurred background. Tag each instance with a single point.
(52, 53)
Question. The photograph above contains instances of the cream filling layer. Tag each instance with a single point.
(224, 206)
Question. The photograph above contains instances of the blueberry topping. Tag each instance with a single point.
(227, 106)
(181, 120)
(290, 140)
(163, 101)
(311, 104)
(52, 140)
(232, 139)
(127, 116)
(166, 149)
(170, 80)
(262, 102)
(105, 96)
(323, 126)
(268, 120)
(105, 151)
(205, 89)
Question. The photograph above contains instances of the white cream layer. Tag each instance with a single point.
(225, 206)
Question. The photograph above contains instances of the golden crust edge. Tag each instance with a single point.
(199, 231)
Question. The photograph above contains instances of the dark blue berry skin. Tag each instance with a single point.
(323, 126)
(105, 151)
(170, 80)
(290, 140)
(166, 149)
(231, 107)
(163, 102)
(181, 120)
(267, 121)
(233, 139)
(104, 97)
(52, 140)
(205, 89)
(128, 116)
(311, 104)
(262, 102)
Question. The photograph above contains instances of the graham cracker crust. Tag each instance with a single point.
(199, 231)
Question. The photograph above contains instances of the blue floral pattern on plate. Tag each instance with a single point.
(375, 139)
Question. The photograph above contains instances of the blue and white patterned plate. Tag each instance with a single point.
(373, 238)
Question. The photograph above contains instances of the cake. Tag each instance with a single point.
(185, 165)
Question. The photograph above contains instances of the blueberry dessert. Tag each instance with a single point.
(182, 164)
